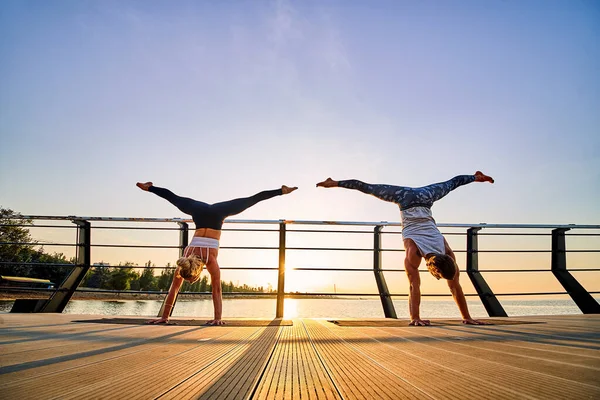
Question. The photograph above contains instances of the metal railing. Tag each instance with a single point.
(61, 295)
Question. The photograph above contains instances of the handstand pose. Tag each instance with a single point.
(204, 247)
(422, 239)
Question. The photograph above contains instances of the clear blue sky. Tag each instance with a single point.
(217, 100)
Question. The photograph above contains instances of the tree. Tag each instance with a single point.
(195, 287)
(147, 279)
(134, 284)
(203, 284)
(97, 277)
(120, 278)
(165, 278)
(55, 274)
(17, 255)
(17, 250)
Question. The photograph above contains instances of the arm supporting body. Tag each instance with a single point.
(170, 300)
(411, 264)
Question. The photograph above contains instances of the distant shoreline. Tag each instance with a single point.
(13, 295)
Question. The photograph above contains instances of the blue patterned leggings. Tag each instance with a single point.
(407, 197)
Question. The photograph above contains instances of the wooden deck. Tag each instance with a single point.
(49, 356)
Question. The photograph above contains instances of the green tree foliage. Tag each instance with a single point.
(20, 251)
(120, 278)
(147, 279)
(165, 278)
(204, 286)
(227, 287)
(135, 284)
(14, 232)
(98, 277)
(191, 287)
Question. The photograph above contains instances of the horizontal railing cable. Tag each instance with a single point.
(293, 227)
(311, 222)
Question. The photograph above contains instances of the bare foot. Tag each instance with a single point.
(480, 177)
(144, 186)
(287, 189)
(327, 183)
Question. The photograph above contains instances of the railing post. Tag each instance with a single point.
(183, 237)
(384, 293)
(183, 242)
(59, 299)
(281, 276)
(586, 303)
(489, 300)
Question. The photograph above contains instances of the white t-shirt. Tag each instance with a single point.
(418, 224)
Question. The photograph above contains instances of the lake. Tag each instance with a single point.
(309, 308)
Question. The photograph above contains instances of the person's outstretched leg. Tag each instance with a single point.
(394, 194)
(184, 204)
(236, 206)
(432, 193)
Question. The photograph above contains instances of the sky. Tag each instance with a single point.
(218, 100)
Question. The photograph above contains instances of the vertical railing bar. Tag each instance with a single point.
(281, 272)
(384, 293)
(183, 242)
(60, 298)
(183, 237)
(487, 296)
(585, 301)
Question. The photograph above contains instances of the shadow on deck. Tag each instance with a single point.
(73, 356)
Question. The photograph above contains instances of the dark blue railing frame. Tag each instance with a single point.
(583, 299)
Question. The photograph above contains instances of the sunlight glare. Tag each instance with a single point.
(290, 308)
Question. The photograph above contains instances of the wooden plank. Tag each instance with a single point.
(73, 345)
(527, 341)
(167, 372)
(572, 332)
(520, 347)
(590, 322)
(435, 380)
(552, 335)
(153, 337)
(312, 359)
(532, 383)
(195, 322)
(389, 322)
(16, 320)
(233, 378)
(295, 371)
(81, 374)
(17, 333)
(562, 368)
(565, 318)
(355, 374)
(42, 340)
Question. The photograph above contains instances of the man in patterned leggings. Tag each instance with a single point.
(421, 237)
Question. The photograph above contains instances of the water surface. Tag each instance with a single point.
(309, 308)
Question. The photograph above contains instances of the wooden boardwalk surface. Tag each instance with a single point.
(60, 356)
